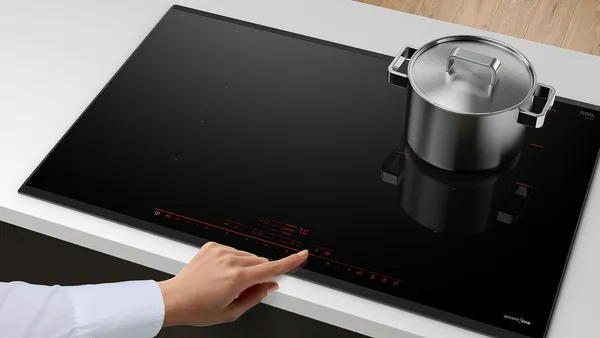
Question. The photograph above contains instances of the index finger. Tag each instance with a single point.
(268, 270)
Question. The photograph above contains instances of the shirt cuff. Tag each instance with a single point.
(128, 309)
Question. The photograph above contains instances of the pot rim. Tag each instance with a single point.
(499, 43)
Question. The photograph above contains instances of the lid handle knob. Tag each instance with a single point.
(466, 55)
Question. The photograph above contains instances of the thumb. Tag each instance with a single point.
(250, 297)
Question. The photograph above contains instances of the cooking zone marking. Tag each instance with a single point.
(359, 271)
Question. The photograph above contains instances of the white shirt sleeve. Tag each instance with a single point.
(128, 309)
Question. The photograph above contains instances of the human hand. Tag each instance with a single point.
(220, 284)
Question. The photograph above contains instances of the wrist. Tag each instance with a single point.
(167, 295)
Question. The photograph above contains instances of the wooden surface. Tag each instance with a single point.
(571, 24)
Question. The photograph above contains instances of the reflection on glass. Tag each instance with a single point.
(455, 203)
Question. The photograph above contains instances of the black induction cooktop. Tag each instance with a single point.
(271, 142)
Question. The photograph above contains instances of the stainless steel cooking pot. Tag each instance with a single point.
(470, 100)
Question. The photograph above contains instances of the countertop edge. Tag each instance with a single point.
(283, 299)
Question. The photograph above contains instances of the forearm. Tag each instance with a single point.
(128, 309)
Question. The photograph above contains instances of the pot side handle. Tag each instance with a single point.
(536, 120)
(398, 69)
(391, 170)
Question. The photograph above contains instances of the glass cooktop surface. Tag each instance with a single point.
(271, 142)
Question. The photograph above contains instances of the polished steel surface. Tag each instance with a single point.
(533, 119)
(397, 74)
(466, 55)
(406, 52)
(462, 142)
(466, 89)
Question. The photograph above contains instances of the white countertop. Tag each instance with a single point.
(56, 56)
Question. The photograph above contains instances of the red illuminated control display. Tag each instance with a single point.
(279, 234)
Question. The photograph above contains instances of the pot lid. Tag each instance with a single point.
(471, 75)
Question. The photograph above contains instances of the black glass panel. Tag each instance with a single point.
(271, 142)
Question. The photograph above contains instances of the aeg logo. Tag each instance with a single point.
(588, 115)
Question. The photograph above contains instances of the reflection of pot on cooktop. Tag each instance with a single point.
(454, 203)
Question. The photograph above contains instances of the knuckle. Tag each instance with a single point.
(238, 274)
(220, 251)
(233, 276)
(225, 260)
(230, 260)
(210, 245)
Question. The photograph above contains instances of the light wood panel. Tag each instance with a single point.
(374, 2)
(408, 6)
(583, 33)
(444, 10)
(571, 24)
(550, 21)
(476, 13)
(513, 17)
